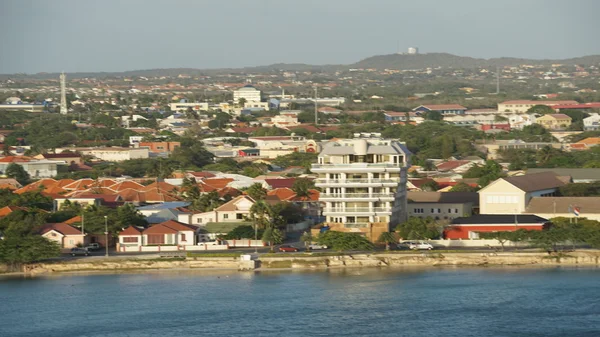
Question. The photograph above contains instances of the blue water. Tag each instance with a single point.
(356, 302)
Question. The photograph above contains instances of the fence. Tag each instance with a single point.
(199, 247)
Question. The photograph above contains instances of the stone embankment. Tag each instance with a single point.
(324, 261)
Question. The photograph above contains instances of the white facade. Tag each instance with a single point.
(248, 92)
(116, 154)
(591, 123)
(196, 106)
(363, 181)
(37, 169)
(254, 105)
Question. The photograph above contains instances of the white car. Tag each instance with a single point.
(420, 246)
(315, 246)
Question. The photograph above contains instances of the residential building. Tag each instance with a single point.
(591, 123)
(184, 106)
(164, 211)
(65, 235)
(165, 233)
(552, 207)
(160, 147)
(511, 195)
(116, 154)
(236, 210)
(256, 105)
(36, 168)
(521, 106)
(247, 92)
(363, 183)
(492, 149)
(578, 175)
(442, 205)
(554, 121)
(470, 227)
(444, 109)
(108, 200)
(29, 107)
(411, 117)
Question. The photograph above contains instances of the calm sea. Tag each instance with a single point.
(354, 302)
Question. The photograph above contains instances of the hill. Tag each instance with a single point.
(392, 61)
(433, 60)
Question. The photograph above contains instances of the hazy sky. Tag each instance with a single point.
(118, 35)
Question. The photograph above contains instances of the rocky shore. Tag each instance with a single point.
(320, 261)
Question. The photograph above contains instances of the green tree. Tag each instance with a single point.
(128, 215)
(434, 115)
(541, 109)
(419, 229)
(241, 102)
(15, 251)
(302, 187)
(430, 186)
(17, 172)
(462, 187)
(273, 236)
(243, 232)
(501, 236)
(387, 238)
(340, 241)
(256, 192)
(487, 173)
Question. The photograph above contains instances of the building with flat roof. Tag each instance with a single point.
(521, 106)
(363, 183)
(247, 92)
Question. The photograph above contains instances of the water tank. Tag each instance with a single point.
(360, 147)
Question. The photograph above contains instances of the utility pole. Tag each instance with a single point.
(255, 238)
(497, 80)
(83, 226)
(106, 234)
(316, 113)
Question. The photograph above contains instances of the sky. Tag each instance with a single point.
(121, 35)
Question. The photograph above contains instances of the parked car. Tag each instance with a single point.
(287, 248)
(80, 252)
(316, 246)
(93, 246)
(420, 246)
(405, 244)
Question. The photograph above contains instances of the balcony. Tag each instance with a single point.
(357, 167)
(357, 182)
(352, 210)
(338, 196)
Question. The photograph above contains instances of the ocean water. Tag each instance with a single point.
(352, 302)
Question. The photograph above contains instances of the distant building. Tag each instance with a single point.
(554, 121)
(115, 153)
(42, 168)
(183, 106)
(160, 147)
(591, 123)
(522, 106)
(413, 50)
(247, 92)
(492, 149)
(469, 228)
(444, 109)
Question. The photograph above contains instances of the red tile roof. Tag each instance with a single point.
(60, 227)
(168, 227)
(15, 159)
(280, 183)
(130, 231)
(451, 165)
(437, 107)
(127, 184)
(217, 183)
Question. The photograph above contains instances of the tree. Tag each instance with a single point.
(541, 109)
(302, 187)
(387, 238)
(462, 187)
(434, 115)
(341, 241)
(243, 232)
(273, 236)
(30, 248)
(501, 236)
(17, 172)
(429, 166)
(430, 186)
(128, 215)
(419, 229)
(241, 102)
(259, 214)
(491, 171)
(307, 238)
(256, 192)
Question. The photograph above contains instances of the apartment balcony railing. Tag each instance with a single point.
(356, 225)
(358, 165)
(357, 209)
(358, 181)
(357, 195)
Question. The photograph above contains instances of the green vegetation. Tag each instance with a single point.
(419, 229)
(18, 172)
(340, 241)
(272, 236)
(243, 232)
(580, 190)
(387, 238)
(491, 171)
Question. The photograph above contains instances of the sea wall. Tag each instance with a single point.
(324, 261)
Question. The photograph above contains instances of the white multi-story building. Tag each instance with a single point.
(183, 106)
(363, 183)
(591, 123)
(247, 92)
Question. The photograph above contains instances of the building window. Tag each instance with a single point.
(239, 216)
(419, 210)
(225, 216)
(199, 220)
(473, 235)
(130, 239)
(182, 237)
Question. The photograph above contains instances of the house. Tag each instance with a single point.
(279, 183)
(36, 168)
(116, 154)
(444, 109)
(442, 205)
(511, 195)
(494, 147)
(495, 127)
(393, 116)
(65, 235)
(554, 121)
(470, 227)
(160, 147)
(236, 210)
(589, 142)
(458, 166)
(591, 123)
(578, 175)
(165, 233)
(69, 158)
(551, 207)
(521, 106)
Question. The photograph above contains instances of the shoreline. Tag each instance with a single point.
(300, 262)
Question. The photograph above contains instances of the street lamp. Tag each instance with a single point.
(106, 234)
(255, 238)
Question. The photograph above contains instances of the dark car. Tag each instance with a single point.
(287, 248)
(80, 252)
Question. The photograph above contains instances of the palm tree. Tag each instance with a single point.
(307, 238)
(272, 236)
(387, 238)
